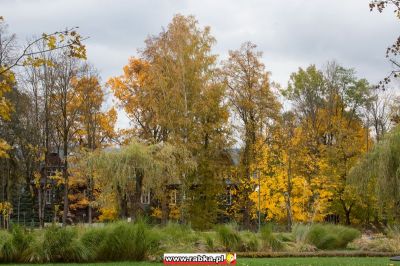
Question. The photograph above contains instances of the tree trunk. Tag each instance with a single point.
(90, 197)
(347, 212)
(246, 192)
(66, 179)
(40, 213)
(289, 196)
(122, 203)
(138, 192)
(89, 214)
(164, 205)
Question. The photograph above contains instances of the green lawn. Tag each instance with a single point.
(322, 261)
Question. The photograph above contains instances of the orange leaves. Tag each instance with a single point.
(92, 126)
(7, 81)
(134, 95)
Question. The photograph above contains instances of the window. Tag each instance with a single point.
(229, 197)
(145, 198)
(172, 197)
(48, 195)
(51, 173)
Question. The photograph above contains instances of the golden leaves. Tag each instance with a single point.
(38, 61)
(7, 81)
(5, 208)
(108, 214)
(69, 39)
(4, 147)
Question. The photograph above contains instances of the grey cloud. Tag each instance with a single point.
(290, 33)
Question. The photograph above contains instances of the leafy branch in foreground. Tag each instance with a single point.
(69, 39)
(394, 50)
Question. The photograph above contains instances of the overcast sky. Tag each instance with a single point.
(291, 34)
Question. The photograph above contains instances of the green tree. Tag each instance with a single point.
(255, 107)
(376, 176)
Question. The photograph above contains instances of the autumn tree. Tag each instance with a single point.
(7, 79)
(254, 105)
(330, 105)
(172, 94)
(345, 135)
(379, 113)
(140, 100)
(94, 130)
(31, 54)
(34, 54)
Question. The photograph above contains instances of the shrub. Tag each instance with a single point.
(21, 239)
(176, 231)
(299, 232)
(346, 235)
(94, 240)
(376, 243)
(269, 239)
(250, 242)
(6, 248)
(393, 231)
(63, 245)
(285, 237)
(20, 242)
(330, 236)
(14, 244)
(127, 241)
(177, 237)
(229, 237)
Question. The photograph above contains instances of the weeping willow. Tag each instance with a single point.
(122, 174)
(377, 176)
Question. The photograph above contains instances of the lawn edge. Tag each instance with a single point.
(316, 254)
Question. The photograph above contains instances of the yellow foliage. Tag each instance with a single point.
(156, 212)
(174, 212)
(5, 208)
(7, 81)
(108, 214)
(4, 147)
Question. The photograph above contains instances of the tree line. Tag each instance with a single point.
(189, 112)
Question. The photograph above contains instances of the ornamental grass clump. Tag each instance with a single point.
(269, 240)
(250, 242)
(229, 237)
(329, 236)
(63, 245)
(5, 242)
(127, 241)
(177, 237)
(56, 244)
(94, 241)
(14, 244)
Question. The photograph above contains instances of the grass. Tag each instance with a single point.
(269, 239)
(323, 236)
(139, 241)
(229, 237)
(327, 236)
(333, 261)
